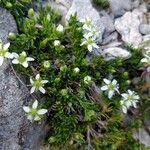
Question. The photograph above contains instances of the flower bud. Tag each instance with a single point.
(60, 28)
(30, 13)
(9, 5)
(87, 79)
(46, 64)
(64, 92)
(76, 70)
(63, 68)
(126, 74)
(12, 36)
(56, 43)
(128, 82)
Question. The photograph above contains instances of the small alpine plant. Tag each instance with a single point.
(22, 59)
(86, 110)
(37, 84)
(33, 112)
(129, 99)
(110, 87)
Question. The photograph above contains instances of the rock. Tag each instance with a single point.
(119, 7)
(129, 29)
(135, 3)
(107, 22)
(7, 24)
(142, 136)
(66, 3)
(145, 29)
(110, 38)
(116, 52)
(16, 132)
(85, 9)
(145, 44)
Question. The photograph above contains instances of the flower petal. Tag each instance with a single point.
(95, 45)
(37, 77)
(114, 82)
(90, 48)
(35, 104)
(26, 109)
(32, 90)
(29, 117)
(23, 53)
(29, 59)
(124, 95)
(107, 81)
(44, 81)
(104, 88)
(42, 111)
(1, 60)
(110, 94)
(9, 55)
(124, 109)
(6, 46)
(31, 81)
(42, 90)
(144, 60)
(15, 55)
(15, 61)
(25, 64)
(37, 118)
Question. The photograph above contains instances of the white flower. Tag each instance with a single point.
(146, 59)
(89, 42)
(87, 24)
(22, 59)
(4, 52)
(76, 70)
(60, 28)
(56, 43)
(129, 99)
(37, 84)
(46, 64)
(33, 113)
(110, 87)
(87, 79)
(93, 33)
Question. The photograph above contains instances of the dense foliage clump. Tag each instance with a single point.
(80, 115)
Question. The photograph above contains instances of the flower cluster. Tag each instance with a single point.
(90, 34)
(16, 59)
(34, 114)
(128, 99)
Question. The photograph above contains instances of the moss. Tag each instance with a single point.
(101, 3)
(78, 116)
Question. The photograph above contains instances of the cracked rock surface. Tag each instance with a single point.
(16, 133)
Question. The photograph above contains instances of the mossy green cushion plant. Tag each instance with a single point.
(87, 100)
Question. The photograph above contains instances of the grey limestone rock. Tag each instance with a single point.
(144, 29)
(119, 7)
(128, 28)
(16, 132)
(116, 52)
(143, 136)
